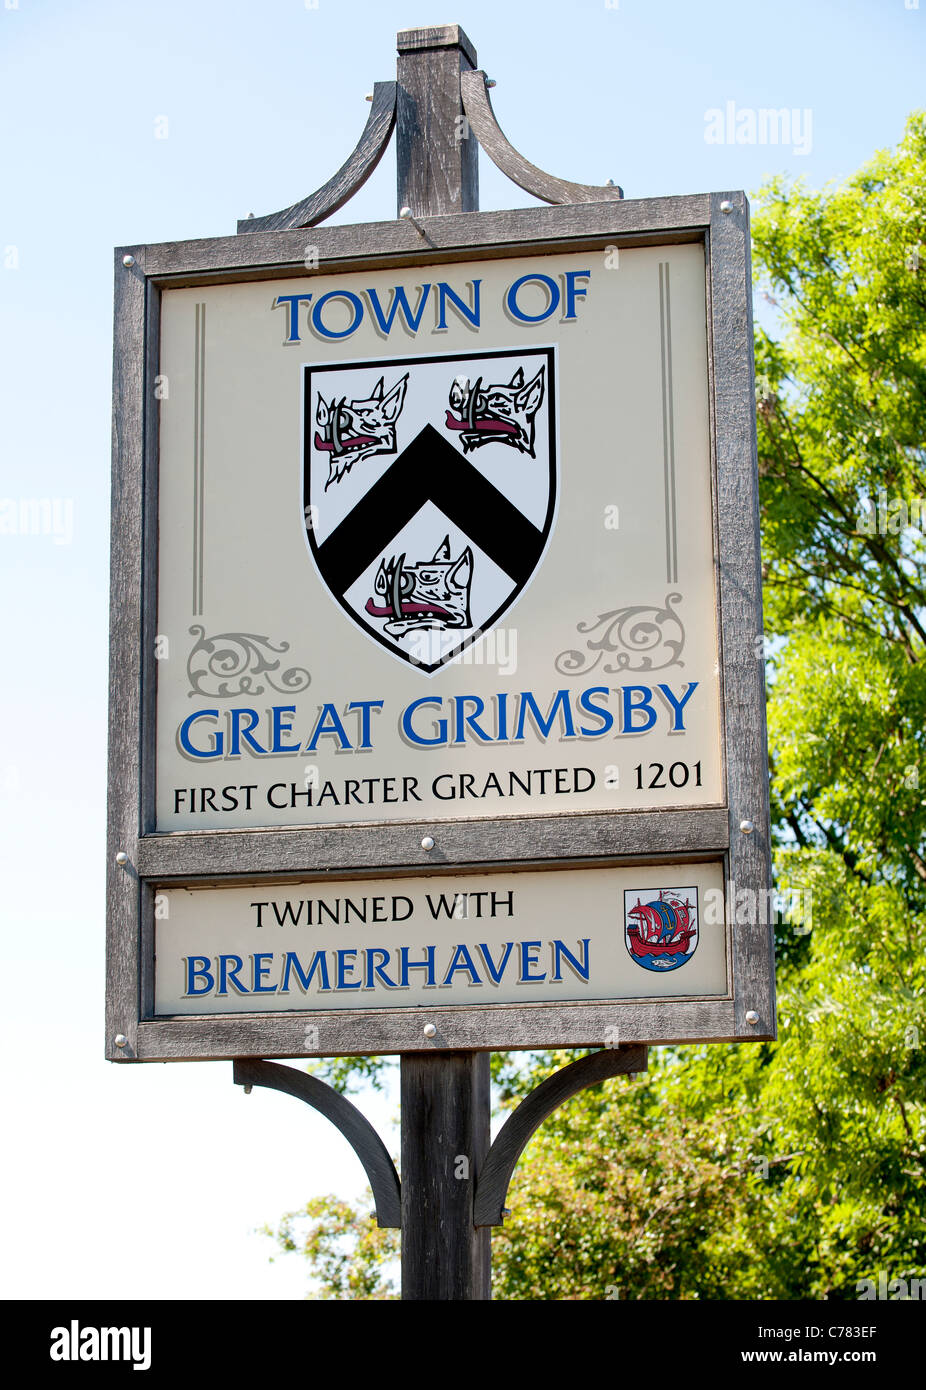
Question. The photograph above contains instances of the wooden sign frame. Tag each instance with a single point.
(737, 834)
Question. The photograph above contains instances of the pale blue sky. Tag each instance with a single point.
(147, 1181)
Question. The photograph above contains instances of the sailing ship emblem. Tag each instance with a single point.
(661, 933)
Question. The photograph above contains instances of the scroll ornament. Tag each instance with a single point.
(642, 637)
(229, 664)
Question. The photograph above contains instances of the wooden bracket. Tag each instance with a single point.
(512, 1138)
(352, 175)
(499, 1164)
(436, 153)
(482, 122)
(355, 1127)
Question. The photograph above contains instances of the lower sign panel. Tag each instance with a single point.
(566, 935)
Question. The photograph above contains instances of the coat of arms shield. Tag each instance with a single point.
(661, 933)
(429, 491)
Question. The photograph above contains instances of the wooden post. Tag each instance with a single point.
(445, 1096)
(436, 156)
(445, 1138)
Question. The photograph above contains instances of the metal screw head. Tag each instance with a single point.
(429, 1030)
(128, 261)
(752, 1017)
(248, 1090)
(368, 97)
(427, 842)
(122, 859)
(726, 205)
(490, 82)
(121, 1040)
(747, 827)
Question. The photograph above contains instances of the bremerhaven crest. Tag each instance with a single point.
(661, 929)
(429, 493)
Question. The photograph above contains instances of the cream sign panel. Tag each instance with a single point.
(564, 935)
(437, 543)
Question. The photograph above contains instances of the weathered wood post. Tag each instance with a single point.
(445, 1138)
(444, 1097)
(436, 156)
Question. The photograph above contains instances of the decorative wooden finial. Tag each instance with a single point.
(440, 106)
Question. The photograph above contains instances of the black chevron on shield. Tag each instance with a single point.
(431, 470)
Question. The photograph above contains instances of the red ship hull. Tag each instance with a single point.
(646, 948)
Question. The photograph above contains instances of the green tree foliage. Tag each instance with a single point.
(796, 1169)
(347, 1252)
